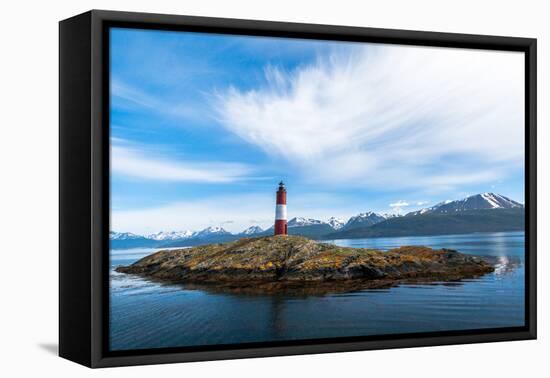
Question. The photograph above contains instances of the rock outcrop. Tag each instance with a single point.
(294, 260)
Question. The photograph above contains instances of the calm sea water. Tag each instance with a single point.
(146, 314)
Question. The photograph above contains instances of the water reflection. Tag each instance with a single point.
(147, 314)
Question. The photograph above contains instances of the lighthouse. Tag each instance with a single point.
(280, 211)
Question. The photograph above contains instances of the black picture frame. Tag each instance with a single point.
(84, 186)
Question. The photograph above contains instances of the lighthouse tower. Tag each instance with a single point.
(280, 211)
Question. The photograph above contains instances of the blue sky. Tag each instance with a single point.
(204, 126)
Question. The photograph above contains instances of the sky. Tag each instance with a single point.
(204, 126)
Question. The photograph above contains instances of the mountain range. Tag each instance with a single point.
(485, 212)
(483, 201)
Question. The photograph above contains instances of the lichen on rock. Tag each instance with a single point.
(293, 259)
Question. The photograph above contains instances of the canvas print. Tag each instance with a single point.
(276, 190)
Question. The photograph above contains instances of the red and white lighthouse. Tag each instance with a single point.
(280, 211)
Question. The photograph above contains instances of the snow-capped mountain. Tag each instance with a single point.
(123, 236)
(252, 230)
(483, 201)
(428, 209)
(336, 223)
(300, 222)
(308, 227)
(212, 230)
(171, 235)
(390, 215)
(364, 219)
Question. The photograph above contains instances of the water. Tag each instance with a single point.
(146, 315)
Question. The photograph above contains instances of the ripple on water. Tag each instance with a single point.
(145, 314)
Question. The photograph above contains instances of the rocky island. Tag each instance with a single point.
(275, 262)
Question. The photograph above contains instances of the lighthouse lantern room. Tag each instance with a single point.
(281, 227)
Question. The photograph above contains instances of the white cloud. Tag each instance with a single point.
(399, 203)
(395, 117)
(128, 97)
(128, 93)
(399, 206)
(131, 160)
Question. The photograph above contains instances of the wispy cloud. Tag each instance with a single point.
(122, 91)
(136, 161)
(391, 117)
(399, 206)
(126, 96)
